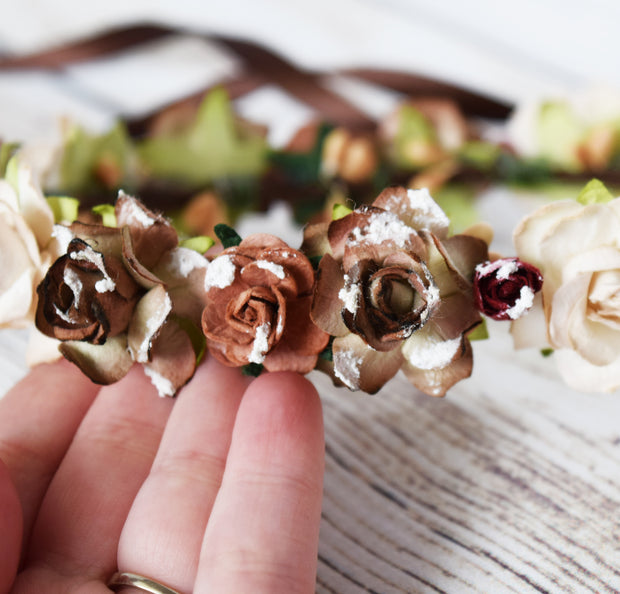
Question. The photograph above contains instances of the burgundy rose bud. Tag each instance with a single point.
(505, 289)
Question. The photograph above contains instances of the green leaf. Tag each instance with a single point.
(65, 209)
(107, 214)
(480, 332)
(11, 174)
(212, 147)
(327, 354)
(196, 336)
(200, 243)
(227, 235)
(459, 204)
(559, 134)
(479, 154)
(303, 168)
(594, 192)
(315, 261)
(7, 151)
(252, 369)
(546, 352)
(340, 211)
(523, 171)
(413, 127)
(84, 152)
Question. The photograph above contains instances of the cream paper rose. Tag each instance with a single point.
(26, 224)
(577, 249)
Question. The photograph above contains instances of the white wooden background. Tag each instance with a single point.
(512, 482)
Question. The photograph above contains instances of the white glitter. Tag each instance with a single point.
(272, 267)
(163, 385)
(133, 212)
(63, 235)
(350, 295)
(184, 261)
(522, 304)
(506, 269)
(347, 368)
(72, 280)
(220, 273)
(426, 212)
(383, 226)
(432, 295)
(152, 326)
(62, 315)
(88, 254)
(431, 354)
(502, 268)
(260, 346)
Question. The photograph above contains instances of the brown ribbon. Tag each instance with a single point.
(262, 66)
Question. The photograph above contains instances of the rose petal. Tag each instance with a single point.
(530, 330)
(569, 326)
(152, 235)
(463, 253)
(301, 342)
(581, 375)
(456, 315)
(106, 240)
(103, 364)
(437, 381)
(529, 233)
(33, 206)
(144, 277)
(359, 367)
(17, 300)
(327, 305)
(148, 318)
(261, 242)
(183, 271)
(416, 208)
(315, 240)
(173, 360)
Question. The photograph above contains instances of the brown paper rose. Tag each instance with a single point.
(86, 296)
(258, 307)
(124, 295)
(396, 293)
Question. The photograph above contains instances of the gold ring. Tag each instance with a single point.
(123, 579)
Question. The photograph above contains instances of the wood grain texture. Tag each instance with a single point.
(509, 484)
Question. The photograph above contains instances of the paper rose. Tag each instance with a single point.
(396, 292)
(125, 294)
(577, 249)
(504, 289)
(26, 224)
(258, 307)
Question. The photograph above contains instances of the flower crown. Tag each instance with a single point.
(374, 289)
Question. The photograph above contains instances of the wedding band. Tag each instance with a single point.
(123, 579)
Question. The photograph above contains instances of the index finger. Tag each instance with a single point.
(38, 419)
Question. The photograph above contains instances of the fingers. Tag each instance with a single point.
(38, 419)
(82, 514)
(10, 528)
(164, 530)
(262, 536)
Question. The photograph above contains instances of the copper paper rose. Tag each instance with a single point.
(123, 295)
(396, 293)
(504, 289)
(258, 307)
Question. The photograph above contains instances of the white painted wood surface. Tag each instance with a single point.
(512, 482)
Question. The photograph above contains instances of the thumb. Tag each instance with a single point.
(10, 528)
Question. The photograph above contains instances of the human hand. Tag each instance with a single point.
(218, 490)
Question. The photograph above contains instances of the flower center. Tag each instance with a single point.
(604, 298)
